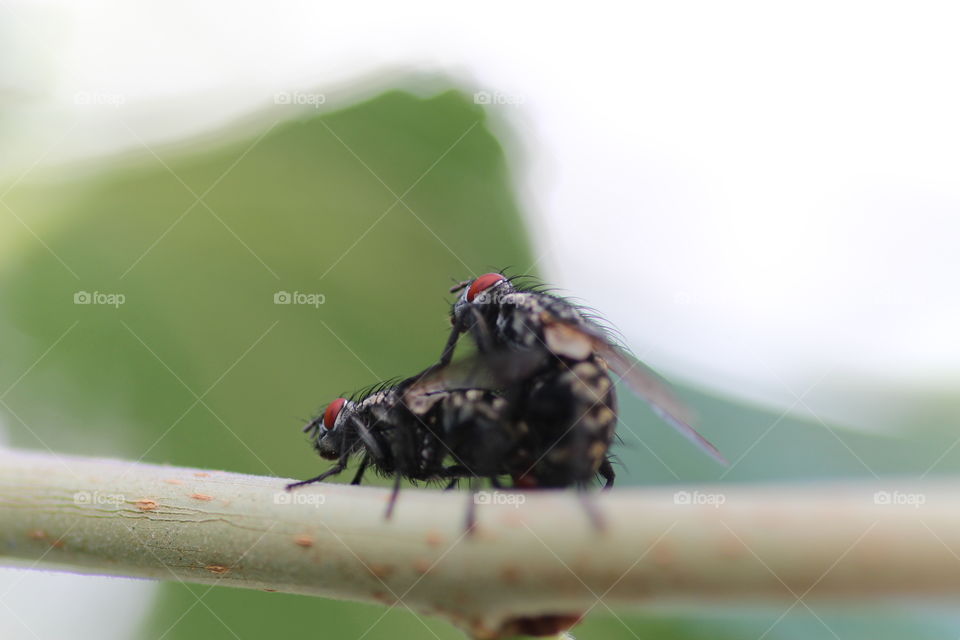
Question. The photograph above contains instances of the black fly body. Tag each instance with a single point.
(437, 426)
(536, 404)
(569, 415)
(500, 314)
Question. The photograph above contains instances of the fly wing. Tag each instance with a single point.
(490, 371)
(646, 384)
(578, 340)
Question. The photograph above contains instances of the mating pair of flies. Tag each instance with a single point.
(535, 404)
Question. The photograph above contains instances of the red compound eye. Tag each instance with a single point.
(483, 283)
(333, 410)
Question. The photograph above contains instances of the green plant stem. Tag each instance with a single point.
(523, 561)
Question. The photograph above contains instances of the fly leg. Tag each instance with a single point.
(485, 343)
(332, 471)
(455, 473)
(368, 438)
(363, 467)
(593, 513)
(606, 472)
(393, 498)
(445, 356)
(448, 349)
(482, 333)
(471, 519)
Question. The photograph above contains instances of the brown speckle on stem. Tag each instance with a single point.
(434, 538)
(303, 540)
(201, 496)
(663, 555)
(381, 570)
(146, 504)
(218, 569)
(422, 565)
(510, 574)
(41, 535)
(731, 548)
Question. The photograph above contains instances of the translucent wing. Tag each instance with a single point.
(491, 371)
(578, 340)
(646, 384)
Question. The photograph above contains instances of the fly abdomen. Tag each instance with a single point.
(571, 413)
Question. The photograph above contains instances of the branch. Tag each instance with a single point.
(537, 565)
